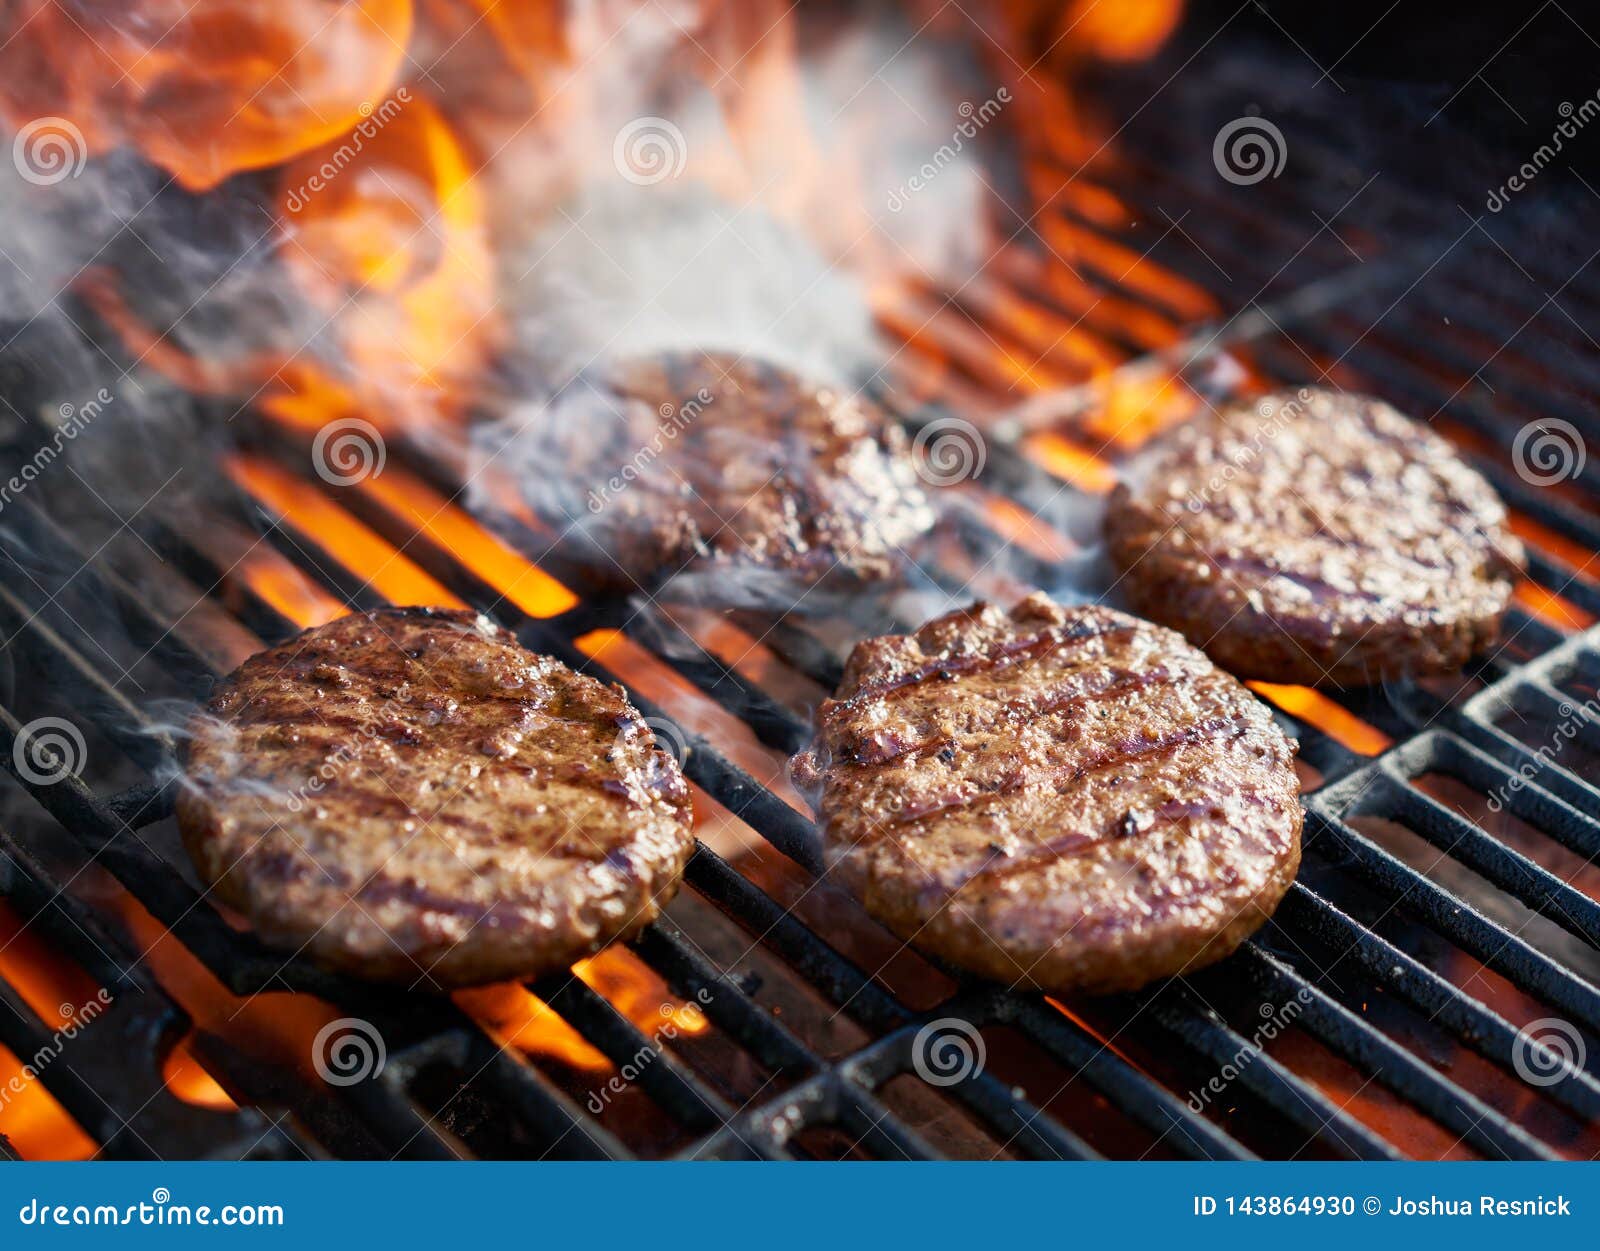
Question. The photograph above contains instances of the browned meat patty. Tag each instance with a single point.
(1318, 538)
(410, 795)
(1069, 799)
(706, 464)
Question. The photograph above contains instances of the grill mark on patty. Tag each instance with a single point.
(1120, 753)
(563, 831)
(385, 803)
(1100, 892)
(1008, 656)
(1172, 813)
(1122, 683)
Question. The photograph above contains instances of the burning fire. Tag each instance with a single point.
(37, 1126)
(389, 242)
(516, 1017)
(392, 220)
(206, 90)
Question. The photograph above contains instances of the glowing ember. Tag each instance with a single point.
(187, 1080)
(38, 1127)
(310, 513)
(526, 585)
(1327, 715)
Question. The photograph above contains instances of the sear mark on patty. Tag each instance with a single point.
(1087, 803)
(1318, 538)
(708, 464)
(409, 795)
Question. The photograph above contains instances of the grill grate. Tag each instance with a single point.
(1365, 922)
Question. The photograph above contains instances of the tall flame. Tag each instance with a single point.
(203, 90)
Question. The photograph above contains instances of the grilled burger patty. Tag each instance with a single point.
(701, 460)
(410, 795)
(1316, 537)
(1068, 799)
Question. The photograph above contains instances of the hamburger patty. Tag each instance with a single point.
(1068, 799)
(410, 795)
(1318, 538)
(705, 462)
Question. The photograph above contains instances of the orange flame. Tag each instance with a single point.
(203, 90)
(389, 240)
(54, 989)
(1340, 724)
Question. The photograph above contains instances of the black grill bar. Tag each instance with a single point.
(1492, 1036)
(109, 1078)
(834, 1093)
(1462, 738)
(1392, 1065)
(1307, 1108)
(670, 1083)
(1454, 918)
